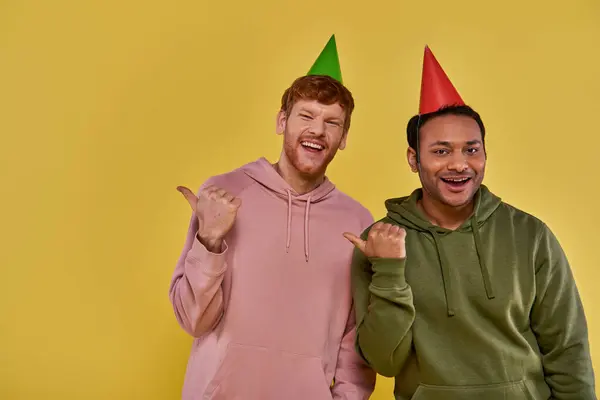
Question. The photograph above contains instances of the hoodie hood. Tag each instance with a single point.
(404, 211)
(263, 172)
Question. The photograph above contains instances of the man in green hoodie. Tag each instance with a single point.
(458, 294)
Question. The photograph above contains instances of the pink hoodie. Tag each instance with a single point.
(272, 313)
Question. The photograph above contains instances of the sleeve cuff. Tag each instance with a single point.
(388, 273)
(211, 263)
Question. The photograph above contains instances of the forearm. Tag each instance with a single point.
(196, 293)
(354, 379)
(563, 340)
(384, 334)
(559, 323)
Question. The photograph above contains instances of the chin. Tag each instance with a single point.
(458, 201)
(309, 169)
(310, 166)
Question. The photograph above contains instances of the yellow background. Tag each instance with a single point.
(106, 106)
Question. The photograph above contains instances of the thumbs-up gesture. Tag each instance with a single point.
(384, 241)
(216, 211)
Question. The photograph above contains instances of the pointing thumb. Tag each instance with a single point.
(356, 241)
(189, 196)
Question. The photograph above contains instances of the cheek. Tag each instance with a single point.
(428, 174)
(432, 166)
(334, 137)
(478, 165)
(293, 132)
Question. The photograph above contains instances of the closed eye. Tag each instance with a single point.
(305, 116)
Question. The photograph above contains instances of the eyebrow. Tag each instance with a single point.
(448, 144)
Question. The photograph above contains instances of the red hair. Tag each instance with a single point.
(321, 88)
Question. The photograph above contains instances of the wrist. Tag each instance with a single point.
(388, 272)
(214, 245)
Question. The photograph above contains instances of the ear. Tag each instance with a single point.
(342, 145)
(280, 122)
(411, 157)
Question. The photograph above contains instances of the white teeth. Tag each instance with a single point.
(456, 180)
(312, 145)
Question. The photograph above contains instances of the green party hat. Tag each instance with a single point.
(328, 62)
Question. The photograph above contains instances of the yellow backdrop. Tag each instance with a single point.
(106, 106)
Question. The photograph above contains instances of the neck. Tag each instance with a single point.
(299, 182)
(443, 215)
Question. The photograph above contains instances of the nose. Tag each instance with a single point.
(458, 163)
(317, 127)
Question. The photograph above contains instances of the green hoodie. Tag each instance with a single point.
(489, 311)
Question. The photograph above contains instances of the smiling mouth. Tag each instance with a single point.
(311, 146)
(456, 182)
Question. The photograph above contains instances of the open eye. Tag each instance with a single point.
(440, 152)
(472, 150)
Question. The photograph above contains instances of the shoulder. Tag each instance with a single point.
(527, 228)
(546, 247)
(346, 203)
(234, 182)
(520, 218)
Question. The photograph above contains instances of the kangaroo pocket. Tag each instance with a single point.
(502, 391)
(251, 372)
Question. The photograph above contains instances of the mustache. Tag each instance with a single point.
(458, 176)
(313, 140)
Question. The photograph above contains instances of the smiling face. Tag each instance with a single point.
(452, 159)
(313, 133)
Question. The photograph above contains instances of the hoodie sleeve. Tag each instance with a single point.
(195, 291)
(559, 323)
(384, 312)
(354, 379)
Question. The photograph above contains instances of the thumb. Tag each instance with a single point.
(356, 241)
(189, 196)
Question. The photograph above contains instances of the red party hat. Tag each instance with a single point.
(436, 89)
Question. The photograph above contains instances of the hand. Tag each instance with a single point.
(384, 241)
(216, 211)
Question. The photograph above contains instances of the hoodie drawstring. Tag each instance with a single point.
(289, 222)
(306, 228)
(289, 225)
(445, 274)
(487, 282)
(485, 273)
